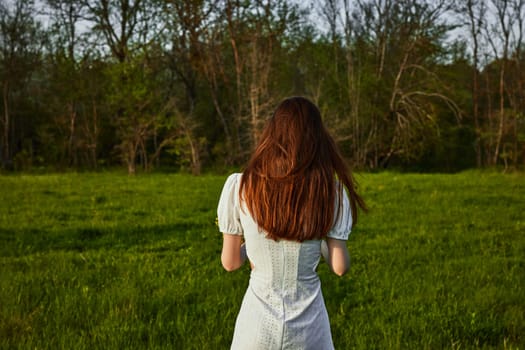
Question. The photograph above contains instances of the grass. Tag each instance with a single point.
(109, 261)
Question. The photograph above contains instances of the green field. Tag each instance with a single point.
(107, 261)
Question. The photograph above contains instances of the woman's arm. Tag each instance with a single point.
(233, 252)
(335, 252)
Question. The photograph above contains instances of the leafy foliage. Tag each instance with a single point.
(148, 83)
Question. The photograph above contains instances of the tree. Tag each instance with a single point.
(187, 56)
(64, 81)
(473, 16)
(391, 51)
(129, 28)
(20, 44)
(505, 37)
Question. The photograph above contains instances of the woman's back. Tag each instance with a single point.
(283, 306)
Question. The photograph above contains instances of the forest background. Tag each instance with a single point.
(412, 84)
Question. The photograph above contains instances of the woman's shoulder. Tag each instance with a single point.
(232, 182)
(235, 175)
(233, 178)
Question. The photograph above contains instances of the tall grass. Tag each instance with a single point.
(110, 261)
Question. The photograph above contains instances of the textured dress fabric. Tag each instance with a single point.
(283, 307)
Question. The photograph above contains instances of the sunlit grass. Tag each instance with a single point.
(110, 261)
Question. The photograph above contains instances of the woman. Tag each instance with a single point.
(290, 209)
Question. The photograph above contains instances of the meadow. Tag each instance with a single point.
(109, 261)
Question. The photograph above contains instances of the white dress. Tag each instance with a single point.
(283, 307)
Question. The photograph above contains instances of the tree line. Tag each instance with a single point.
(418, 84)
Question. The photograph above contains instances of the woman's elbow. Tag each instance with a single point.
(340, 270)
(229, 265)
(341, 267)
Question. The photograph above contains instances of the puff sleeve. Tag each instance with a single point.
(228, 210)
(342, 222)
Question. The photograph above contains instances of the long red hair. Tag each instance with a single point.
(289, 184)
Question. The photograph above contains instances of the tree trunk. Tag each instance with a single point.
(94, 137)
(72, 159)
(130, 160)
(489, 145)
(131, 148)
(237, 110)
(475, 12)
(6, 156)
(475, 98)
(195, 157)
(501, 122)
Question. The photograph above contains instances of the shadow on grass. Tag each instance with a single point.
(142, 237)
